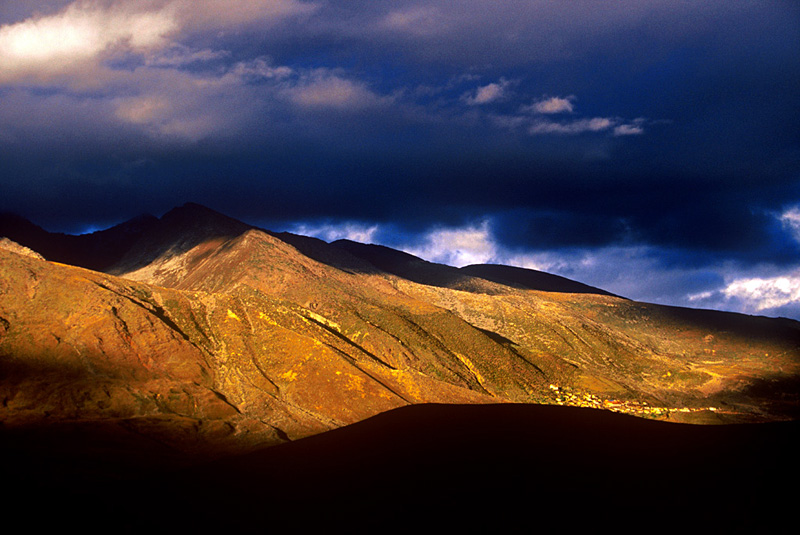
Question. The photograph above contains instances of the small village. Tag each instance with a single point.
(572, 398)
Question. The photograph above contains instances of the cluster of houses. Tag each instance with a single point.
(572, 398)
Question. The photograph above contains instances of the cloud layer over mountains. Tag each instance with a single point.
(649, 148)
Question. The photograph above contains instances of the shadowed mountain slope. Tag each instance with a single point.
(410, 267)
(130, 244)
(176, 232)
(530, 279)
(98, 250)
(469, 278)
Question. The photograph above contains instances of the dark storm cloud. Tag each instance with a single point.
(664, 130)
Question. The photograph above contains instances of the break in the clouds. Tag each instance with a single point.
(329, 232)
(758, 294)
(457, 246)
(765, 289)
(647, 147)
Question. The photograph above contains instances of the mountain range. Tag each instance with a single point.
(194, 339)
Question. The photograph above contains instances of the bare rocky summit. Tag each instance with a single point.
(14, 247)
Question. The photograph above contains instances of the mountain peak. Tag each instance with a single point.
(192, 207)
(193, 213)
(178, 231)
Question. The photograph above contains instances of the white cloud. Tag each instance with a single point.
(80, 48)
(628, 130)
(552, 105)
(168, 114)
(632, 271)
(186, 106)
(487, 93)
(75, 42)
(259, 68)
(762, 289)
(596, 124)
(791, 221)
(531, 118)
(77, 36)
(324, 89)
(759, 294)
(601, 267)
(536, 121)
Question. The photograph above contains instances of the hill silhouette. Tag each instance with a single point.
(425, 467)
(139, 241)
(530, 279)
(98, 250)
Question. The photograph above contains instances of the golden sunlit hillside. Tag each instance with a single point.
(237, 338)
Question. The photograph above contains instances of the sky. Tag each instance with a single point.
(647, 147)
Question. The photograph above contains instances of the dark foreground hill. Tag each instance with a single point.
(424, 468)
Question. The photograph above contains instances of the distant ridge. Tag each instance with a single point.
(405, 265)
(415, 269)
(97, 251)
(137, 242)
(531, 279)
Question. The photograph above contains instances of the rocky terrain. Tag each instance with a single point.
(225, 335)
(164, 343)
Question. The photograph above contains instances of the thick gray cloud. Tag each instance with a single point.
(577, 129)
